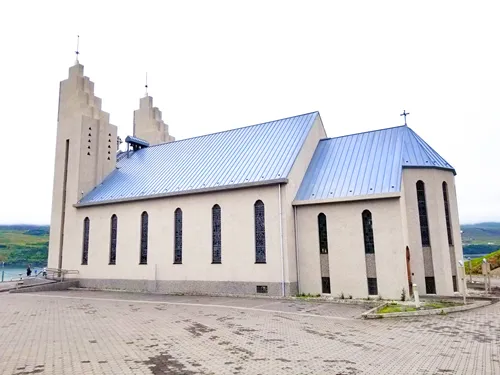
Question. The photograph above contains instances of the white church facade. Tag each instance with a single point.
(276, 208)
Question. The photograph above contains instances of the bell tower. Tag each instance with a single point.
(148, 123)
(86, 147)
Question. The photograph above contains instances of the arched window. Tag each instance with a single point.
(260, 232)
(447, 213)
(178, 236)
(112, 240)
(323, 235)
(368, 232)
(422, 213)
(144, 238)
(85, 246)
(216, 234)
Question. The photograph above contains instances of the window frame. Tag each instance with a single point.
(368, 236)
(322, 233)
(216, 234)
(85, 241)
(260, 232)
(178, 219)
(113, 239)
(143, 255)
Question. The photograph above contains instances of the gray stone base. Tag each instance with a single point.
(46, 287)
(190, 287)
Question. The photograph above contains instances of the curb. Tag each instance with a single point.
(370, 314)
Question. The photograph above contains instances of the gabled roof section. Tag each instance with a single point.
(252, 155)
(366, 164)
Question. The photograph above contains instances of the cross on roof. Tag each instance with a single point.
(405, 114)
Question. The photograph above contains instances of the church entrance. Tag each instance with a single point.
(408, 271)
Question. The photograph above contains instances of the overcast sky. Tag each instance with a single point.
(217, 65)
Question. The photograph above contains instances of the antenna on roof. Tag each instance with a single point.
(77, 52)
(405, 114)
(146, 85)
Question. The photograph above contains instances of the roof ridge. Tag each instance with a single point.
(234, 129)
(368, 131)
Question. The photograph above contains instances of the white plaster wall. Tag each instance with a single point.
(238, 243)
(433, 179)
(346, 247)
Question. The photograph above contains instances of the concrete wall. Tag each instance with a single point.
(433, 179)
(346, 247)
(238, 273)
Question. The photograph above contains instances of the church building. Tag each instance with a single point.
(277, 208)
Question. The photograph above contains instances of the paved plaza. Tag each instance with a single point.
(84, 332)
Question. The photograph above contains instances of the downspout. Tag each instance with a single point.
(281, 244)
(296, 230)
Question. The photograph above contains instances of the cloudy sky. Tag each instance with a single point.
(216, 65)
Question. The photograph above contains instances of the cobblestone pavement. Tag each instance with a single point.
(83, 332)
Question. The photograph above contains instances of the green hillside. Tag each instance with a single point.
(24, 244)
(481, 233)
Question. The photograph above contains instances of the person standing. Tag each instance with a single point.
(28, 271)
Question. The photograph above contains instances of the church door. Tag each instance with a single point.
(408, 271)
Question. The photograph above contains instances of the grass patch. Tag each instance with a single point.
(493, 258)
(434, 305)
(395, 308)
(305, 296)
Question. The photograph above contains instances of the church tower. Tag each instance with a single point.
(148, 124)
(86, 147)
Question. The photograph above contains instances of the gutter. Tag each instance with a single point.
(281, 244)
(183, 192)
(296, 230)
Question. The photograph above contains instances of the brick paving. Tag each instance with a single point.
(83, 332)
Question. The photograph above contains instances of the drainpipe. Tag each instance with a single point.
(281, 244)
(296, 230)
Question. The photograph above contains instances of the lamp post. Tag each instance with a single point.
(3, 266)
(470, 268)
(461, 266)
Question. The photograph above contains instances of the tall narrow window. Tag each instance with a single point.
(112, 240)
(144, 238)
(260, 232)
(422, 213)
(85, 246)
(447, 213)
(372, 286)
(216, 234)
(323, 235)
(178, 236)
(368, 232)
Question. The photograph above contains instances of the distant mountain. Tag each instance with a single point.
(481, 233)
(24, 244)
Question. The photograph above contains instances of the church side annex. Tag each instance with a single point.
(276, 208)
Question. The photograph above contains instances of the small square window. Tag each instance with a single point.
(261, 288)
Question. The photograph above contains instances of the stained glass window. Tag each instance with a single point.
(216, 234)
(112, 242)
(260, 233)
(144, 238)
(85, 247)
(178, 236)
(422, 213)
(447, 213)
(368, 232)
(323, 236)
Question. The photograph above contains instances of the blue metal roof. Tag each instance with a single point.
(365, 164)
(257, 154)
